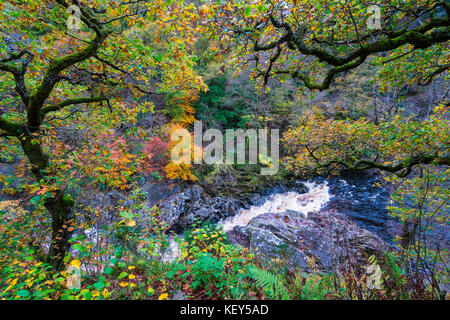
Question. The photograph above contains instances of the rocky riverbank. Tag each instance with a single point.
(299, 224)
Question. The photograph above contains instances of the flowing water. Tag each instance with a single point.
(358, 198)
(353, 195)
(317, 196)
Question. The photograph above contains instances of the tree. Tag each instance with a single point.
(323, 145)
(63, 54)
(315, 41)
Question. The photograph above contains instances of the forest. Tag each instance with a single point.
(224, 150)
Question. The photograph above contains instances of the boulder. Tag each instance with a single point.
(181, 210)
(327, 238)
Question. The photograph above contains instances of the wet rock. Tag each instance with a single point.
(156, 191)
(298, 187)
(327, 237)
(181, 210)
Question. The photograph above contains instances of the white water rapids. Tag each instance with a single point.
(311, 201)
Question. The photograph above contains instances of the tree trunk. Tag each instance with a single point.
(409, 233)
(59, 206)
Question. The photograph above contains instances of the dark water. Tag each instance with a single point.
(356, 196)
(352, 194)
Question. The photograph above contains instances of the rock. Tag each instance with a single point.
(105, 201)
(327, 237)
(156, 191)
(182, 209)
(7, 169)
(299, 187)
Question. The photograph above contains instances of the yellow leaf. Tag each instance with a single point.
(131, 223)
(163, 296)
(75, 263)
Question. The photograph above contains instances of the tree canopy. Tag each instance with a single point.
(315, 41)
(91, 92)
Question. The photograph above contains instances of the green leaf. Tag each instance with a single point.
(99, 285)
(109, 270)
(23, 293)
(77, 247)
(247, 11)
(87, 295)
(157, 57)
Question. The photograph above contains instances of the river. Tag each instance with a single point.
(356, 196)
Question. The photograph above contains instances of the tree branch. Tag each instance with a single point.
(401, 169)
(436, 31)
(68, 102)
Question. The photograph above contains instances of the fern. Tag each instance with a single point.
(271, 283)
(315, 288)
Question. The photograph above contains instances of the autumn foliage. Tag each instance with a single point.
(107, 161)
(326, 145)
(155, 155)
(87, 117)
